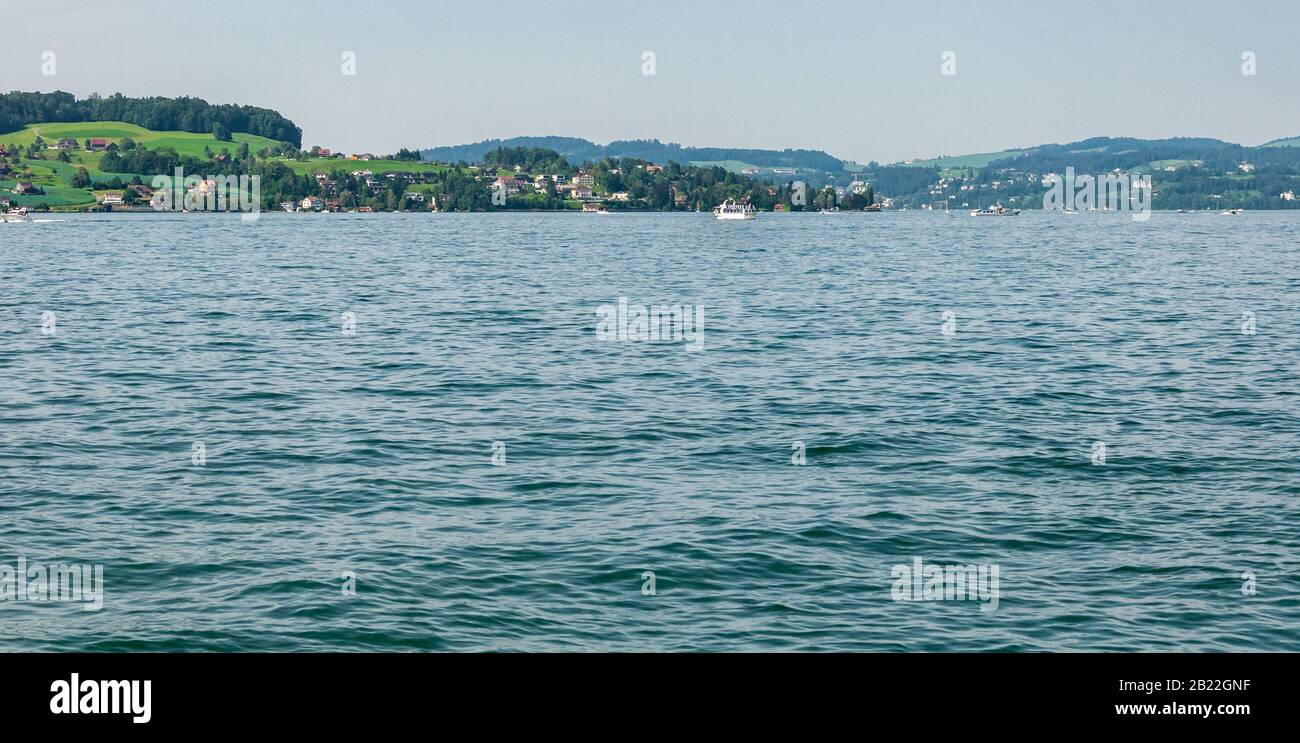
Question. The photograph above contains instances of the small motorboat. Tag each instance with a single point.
(16, 215)
(1233, 212)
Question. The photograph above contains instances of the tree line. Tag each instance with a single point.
(18, 109)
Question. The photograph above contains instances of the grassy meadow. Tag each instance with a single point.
(184, 143)
(54, 175)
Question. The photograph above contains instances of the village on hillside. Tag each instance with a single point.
(119, 173)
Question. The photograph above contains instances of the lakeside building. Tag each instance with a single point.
(509, 184)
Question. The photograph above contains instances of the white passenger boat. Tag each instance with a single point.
(729, 209)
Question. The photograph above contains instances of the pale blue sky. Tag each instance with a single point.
(860, 80)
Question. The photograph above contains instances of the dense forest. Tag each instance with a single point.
(18, 109)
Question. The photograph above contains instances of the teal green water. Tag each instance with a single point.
(371, 453)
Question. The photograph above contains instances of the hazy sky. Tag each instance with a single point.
(859, 79)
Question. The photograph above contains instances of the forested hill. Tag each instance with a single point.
(1187, 173)
(1103, 154)
(577, 150)
(18, 109)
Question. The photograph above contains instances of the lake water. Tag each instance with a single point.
(362, 444)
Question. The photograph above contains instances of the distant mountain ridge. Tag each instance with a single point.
(1111, 152)
(577, 150)
(1189, 172)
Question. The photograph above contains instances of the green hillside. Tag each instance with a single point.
(1288, 142)
(328, 165)
(734, 166)
(977, 160)
(54, 176)
(184, 143)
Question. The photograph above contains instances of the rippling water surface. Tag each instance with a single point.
(372, 453)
